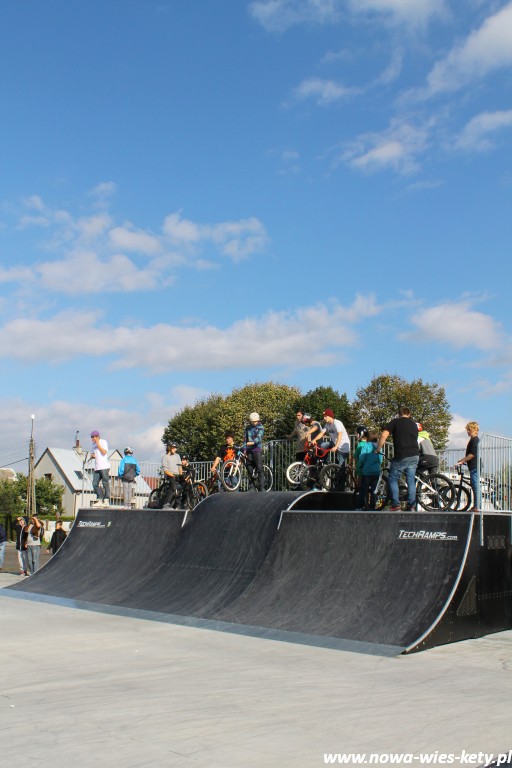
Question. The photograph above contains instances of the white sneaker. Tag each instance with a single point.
(97, 503)
(105, 503)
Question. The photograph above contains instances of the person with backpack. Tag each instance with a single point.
(428, 461)
(129, 470)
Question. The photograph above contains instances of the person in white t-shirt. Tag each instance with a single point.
(335, 436)
(101, 476)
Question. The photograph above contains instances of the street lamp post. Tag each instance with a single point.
(31, 481)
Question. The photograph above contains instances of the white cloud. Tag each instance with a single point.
(34, 203)
(412, 12)
(458, 325)
(476, 134)
(93, 250)
(392, 71)
(485, 50)
(92, 227)
(104, 190)
(457, 435)
(129, 240)
(321, 91)
(16, 275)
(181, 231)
(279, 15)
(236, 239)
(397, 148)
(318, 334)
(83, 271)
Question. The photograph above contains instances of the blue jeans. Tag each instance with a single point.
(396, 469)
(101, 475)
(473, 479)
(33, 553)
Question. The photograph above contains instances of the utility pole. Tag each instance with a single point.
(31, 481)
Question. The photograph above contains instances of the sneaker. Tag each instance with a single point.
(97, 503)
(412, 507)
(105, 503)
(396, 508)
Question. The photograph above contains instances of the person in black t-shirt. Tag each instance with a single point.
(471, 459)
(404, 432)
(226, 452)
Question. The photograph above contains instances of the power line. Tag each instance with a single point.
(15, 461)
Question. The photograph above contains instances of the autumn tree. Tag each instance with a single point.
(379, 402)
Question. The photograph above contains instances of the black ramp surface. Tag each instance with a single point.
(108, 554)
(274, 562)
(357, 576)
(146, 560)
(219, 554)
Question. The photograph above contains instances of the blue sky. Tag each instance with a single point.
(195, 195)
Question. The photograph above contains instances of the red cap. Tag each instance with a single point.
(328, 412)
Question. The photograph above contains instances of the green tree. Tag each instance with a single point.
(199, 429)
(12, 497)
(48, 497)
(317, 400)
(379, 402)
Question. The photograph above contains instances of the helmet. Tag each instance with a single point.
(171, 445)
(184, 456)
(128, 451)
(306, 417)
(361, 432)
(254, 416)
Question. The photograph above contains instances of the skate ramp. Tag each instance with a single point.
(292, 566)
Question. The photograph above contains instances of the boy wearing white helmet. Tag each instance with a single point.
(253, 440)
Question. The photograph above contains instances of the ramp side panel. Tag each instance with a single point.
(364, 577)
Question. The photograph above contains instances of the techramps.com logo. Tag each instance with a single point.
(96, 524)
(427, 535)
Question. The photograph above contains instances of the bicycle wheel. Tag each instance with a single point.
(330, 476)
(350, 480)
(200, 491)
(269, 478)
(461, 501)
(434, 492)
(382, 492)
(230, 475)
(293, 473)
(308, 478)
(154, 499)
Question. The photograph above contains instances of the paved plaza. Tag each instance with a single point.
(83, 688)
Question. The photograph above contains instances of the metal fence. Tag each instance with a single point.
(494, 471)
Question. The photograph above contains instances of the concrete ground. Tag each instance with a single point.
(81, 688)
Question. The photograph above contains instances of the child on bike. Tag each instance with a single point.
(253, 444)
(186, 480)
(171, 471)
